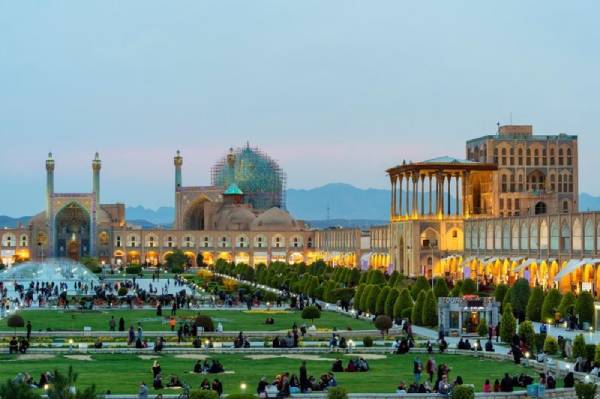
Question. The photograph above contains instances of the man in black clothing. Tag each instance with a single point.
(304, 383)
(28, 330)
(506, 385)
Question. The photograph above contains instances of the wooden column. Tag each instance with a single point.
(449, 196)
(457, 210)
(393, 199)
(430, 179)
(422, 195)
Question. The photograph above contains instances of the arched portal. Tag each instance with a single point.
(72, 232)
(193, 219)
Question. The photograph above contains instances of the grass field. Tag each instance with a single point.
(232, 320)
(123, 373)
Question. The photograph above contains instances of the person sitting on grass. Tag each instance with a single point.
(337, 366)
(198, 367)
(401, 389)
(174, 382)
(13, 346)
(205, 385)
(489, 346)
(443, 345)
(217, 386)
(214, 368)
(23, 345)
(403, 347)
(269, 321)
(157, 382)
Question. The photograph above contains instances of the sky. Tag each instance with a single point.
(336, 91)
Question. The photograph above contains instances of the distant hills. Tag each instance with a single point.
(335, 204)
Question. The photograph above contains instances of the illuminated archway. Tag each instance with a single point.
(208, 258)
(152, 258)
(191, 258)
(133, 258)
(296, 257)
(242, 257)
(226, 256)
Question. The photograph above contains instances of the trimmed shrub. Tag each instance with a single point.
(376, 277)
(204, 394)
(417, 312)
(440, 288)
(585, 391)
(539, 342)
(342, 294)
(367, 342)
(205, 322)
(122, 291)
(519, 297)
(372, 300)
(527, 334)
(364, 299)
(579, 346)
(550, 305)
(133, 269)
(381, 298)
(508, 324)
(406, 313)
(390, 301)
(404, 301)
(590, 351)
(534, 306)
(463, 392)
(311, 313)
(500, 292)
(482, 329)
(419, 285)
(358, 295)
(383, 323)
(550, 345)
(506, 300)
(429, 314)
(336, 393)
(469, 287)
(567, 304)
(584, 307)
(597, 354)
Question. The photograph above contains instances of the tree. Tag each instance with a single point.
(176, 261)
(62, 387)
(383, 323)
(469, 287)
(506, 299)
(404, 301)
(550, 345)
(440, 288)
(417, 311)
(584, 306)
(508, 324)
(500, 292)
(16, 390)
(358, 295)
(527, 334)
(567, 304)
(377, 277)
(15, 321)
(418, 286)
(364, 299)
(550, 305)
(519, 296)
(393, 278)
(579, 346)
(311, 313)
(482, 329)
(429, 314)
(381, 298)
(390, 302)
(200, 260)
(372, 299)
(534, 306)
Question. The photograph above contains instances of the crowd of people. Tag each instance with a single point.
(285, 384)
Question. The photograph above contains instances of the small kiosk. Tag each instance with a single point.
(462, 315)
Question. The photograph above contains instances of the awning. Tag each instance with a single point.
(468, 260)
(492, 260)
(450, 257)
(518, 258)
(523, 265)
(570, 267)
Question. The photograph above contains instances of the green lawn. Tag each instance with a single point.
(232, 320)
(123, 373)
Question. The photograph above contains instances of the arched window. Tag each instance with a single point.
(560, 183)
(496, 156)
(512, 156)
(533, 236)
(540, 208)
(588, 240)
(543, 235)
(309, 243)
(520, 157)
(569, 157)
(503, 156)
(565, 206)
(504, 184)
(570, 183)
(23, 240)
(524, 237)
(520, 187)
(577, 236)
(560, 157)
(565, 237)
(528, 157)
(118, 241)
(554, 236)
(512, 183)
(506, 237)
(536, 157)
(553, 183)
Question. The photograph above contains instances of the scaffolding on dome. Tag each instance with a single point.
(259, 176)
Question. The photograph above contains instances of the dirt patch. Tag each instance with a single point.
(367, 356)
(148, 357)
(192, 356)
(85, 358)
(290, 356)
(34, 356)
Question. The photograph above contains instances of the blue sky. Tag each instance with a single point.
(337, 91)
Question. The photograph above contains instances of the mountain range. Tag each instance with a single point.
(335, 204)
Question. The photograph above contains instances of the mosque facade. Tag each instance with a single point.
(211, 222)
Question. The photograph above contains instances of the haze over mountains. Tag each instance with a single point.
(335, 204)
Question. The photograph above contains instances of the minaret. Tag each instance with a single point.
(178, 161)
(49, 182)
(96, 166)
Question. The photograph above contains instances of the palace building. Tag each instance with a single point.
(240, 218)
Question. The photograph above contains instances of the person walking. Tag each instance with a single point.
(28, 330)
(304, 382)
(417, 369)
(112, 323)
(143, 391)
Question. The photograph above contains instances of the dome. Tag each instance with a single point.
(253, 173)
(57, 270)
(235, 218)
(39, 219)
(274, 219)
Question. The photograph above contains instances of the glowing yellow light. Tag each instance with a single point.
(243, 386)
